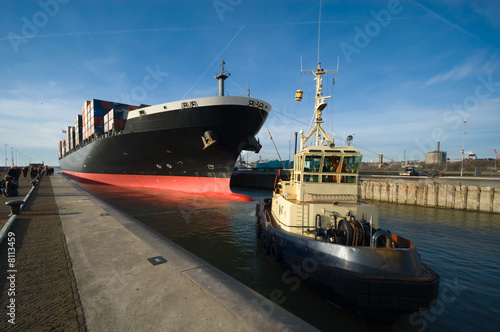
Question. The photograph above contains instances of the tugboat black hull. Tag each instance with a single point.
(379, 301)
(378, 285)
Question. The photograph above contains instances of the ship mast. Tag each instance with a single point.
(319, 106)
(221, 77)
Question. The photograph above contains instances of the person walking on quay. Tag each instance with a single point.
(33, 172)
(10, 187)
(25, 171)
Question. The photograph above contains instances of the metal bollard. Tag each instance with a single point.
(15, 206)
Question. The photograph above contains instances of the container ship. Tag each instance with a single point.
(188, 145)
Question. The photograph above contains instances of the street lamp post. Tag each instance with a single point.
(463, 152)
(6, 157)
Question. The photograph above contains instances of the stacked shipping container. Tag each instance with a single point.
(85, 108)
(70, 138)
(62, 148)
(78, 130)
(93, 121)
(98, 117)
(115, 119)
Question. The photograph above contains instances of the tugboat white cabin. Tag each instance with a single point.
(324, 182)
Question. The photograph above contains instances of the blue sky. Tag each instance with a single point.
(410, 72)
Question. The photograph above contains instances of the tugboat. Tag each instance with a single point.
(316, 227)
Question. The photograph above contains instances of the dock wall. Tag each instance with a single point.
(470, 194)
(460, 193)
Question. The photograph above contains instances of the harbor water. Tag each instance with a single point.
(462, 247)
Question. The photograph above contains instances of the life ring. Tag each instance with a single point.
(275, 252)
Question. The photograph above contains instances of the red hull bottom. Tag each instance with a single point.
(214, 187)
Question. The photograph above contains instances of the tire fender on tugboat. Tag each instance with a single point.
(275, 252)
(265, 243)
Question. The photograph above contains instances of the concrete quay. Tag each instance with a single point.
(458, 193)
(81, 264)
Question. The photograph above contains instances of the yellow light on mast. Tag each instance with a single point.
(298, 95)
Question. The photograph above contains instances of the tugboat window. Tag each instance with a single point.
(331, 164)
(312, 164)
(352, 164)
(298, 163)
(348, 179)
(310, 178)
(328, 178)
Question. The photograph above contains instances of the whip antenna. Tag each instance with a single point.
(319, 27)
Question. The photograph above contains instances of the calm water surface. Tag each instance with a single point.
(462, 247)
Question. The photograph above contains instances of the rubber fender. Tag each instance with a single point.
(275, 252)
(265, 244)
(259, 231)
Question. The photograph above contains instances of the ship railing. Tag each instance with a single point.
(90, 139)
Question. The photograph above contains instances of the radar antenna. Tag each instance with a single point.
(320, 104)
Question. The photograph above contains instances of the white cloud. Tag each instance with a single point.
(472, 66)
(33, 128)
(455, 74)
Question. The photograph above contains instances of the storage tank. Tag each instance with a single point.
(435, 157)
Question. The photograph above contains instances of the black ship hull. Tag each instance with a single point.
(190, 149)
